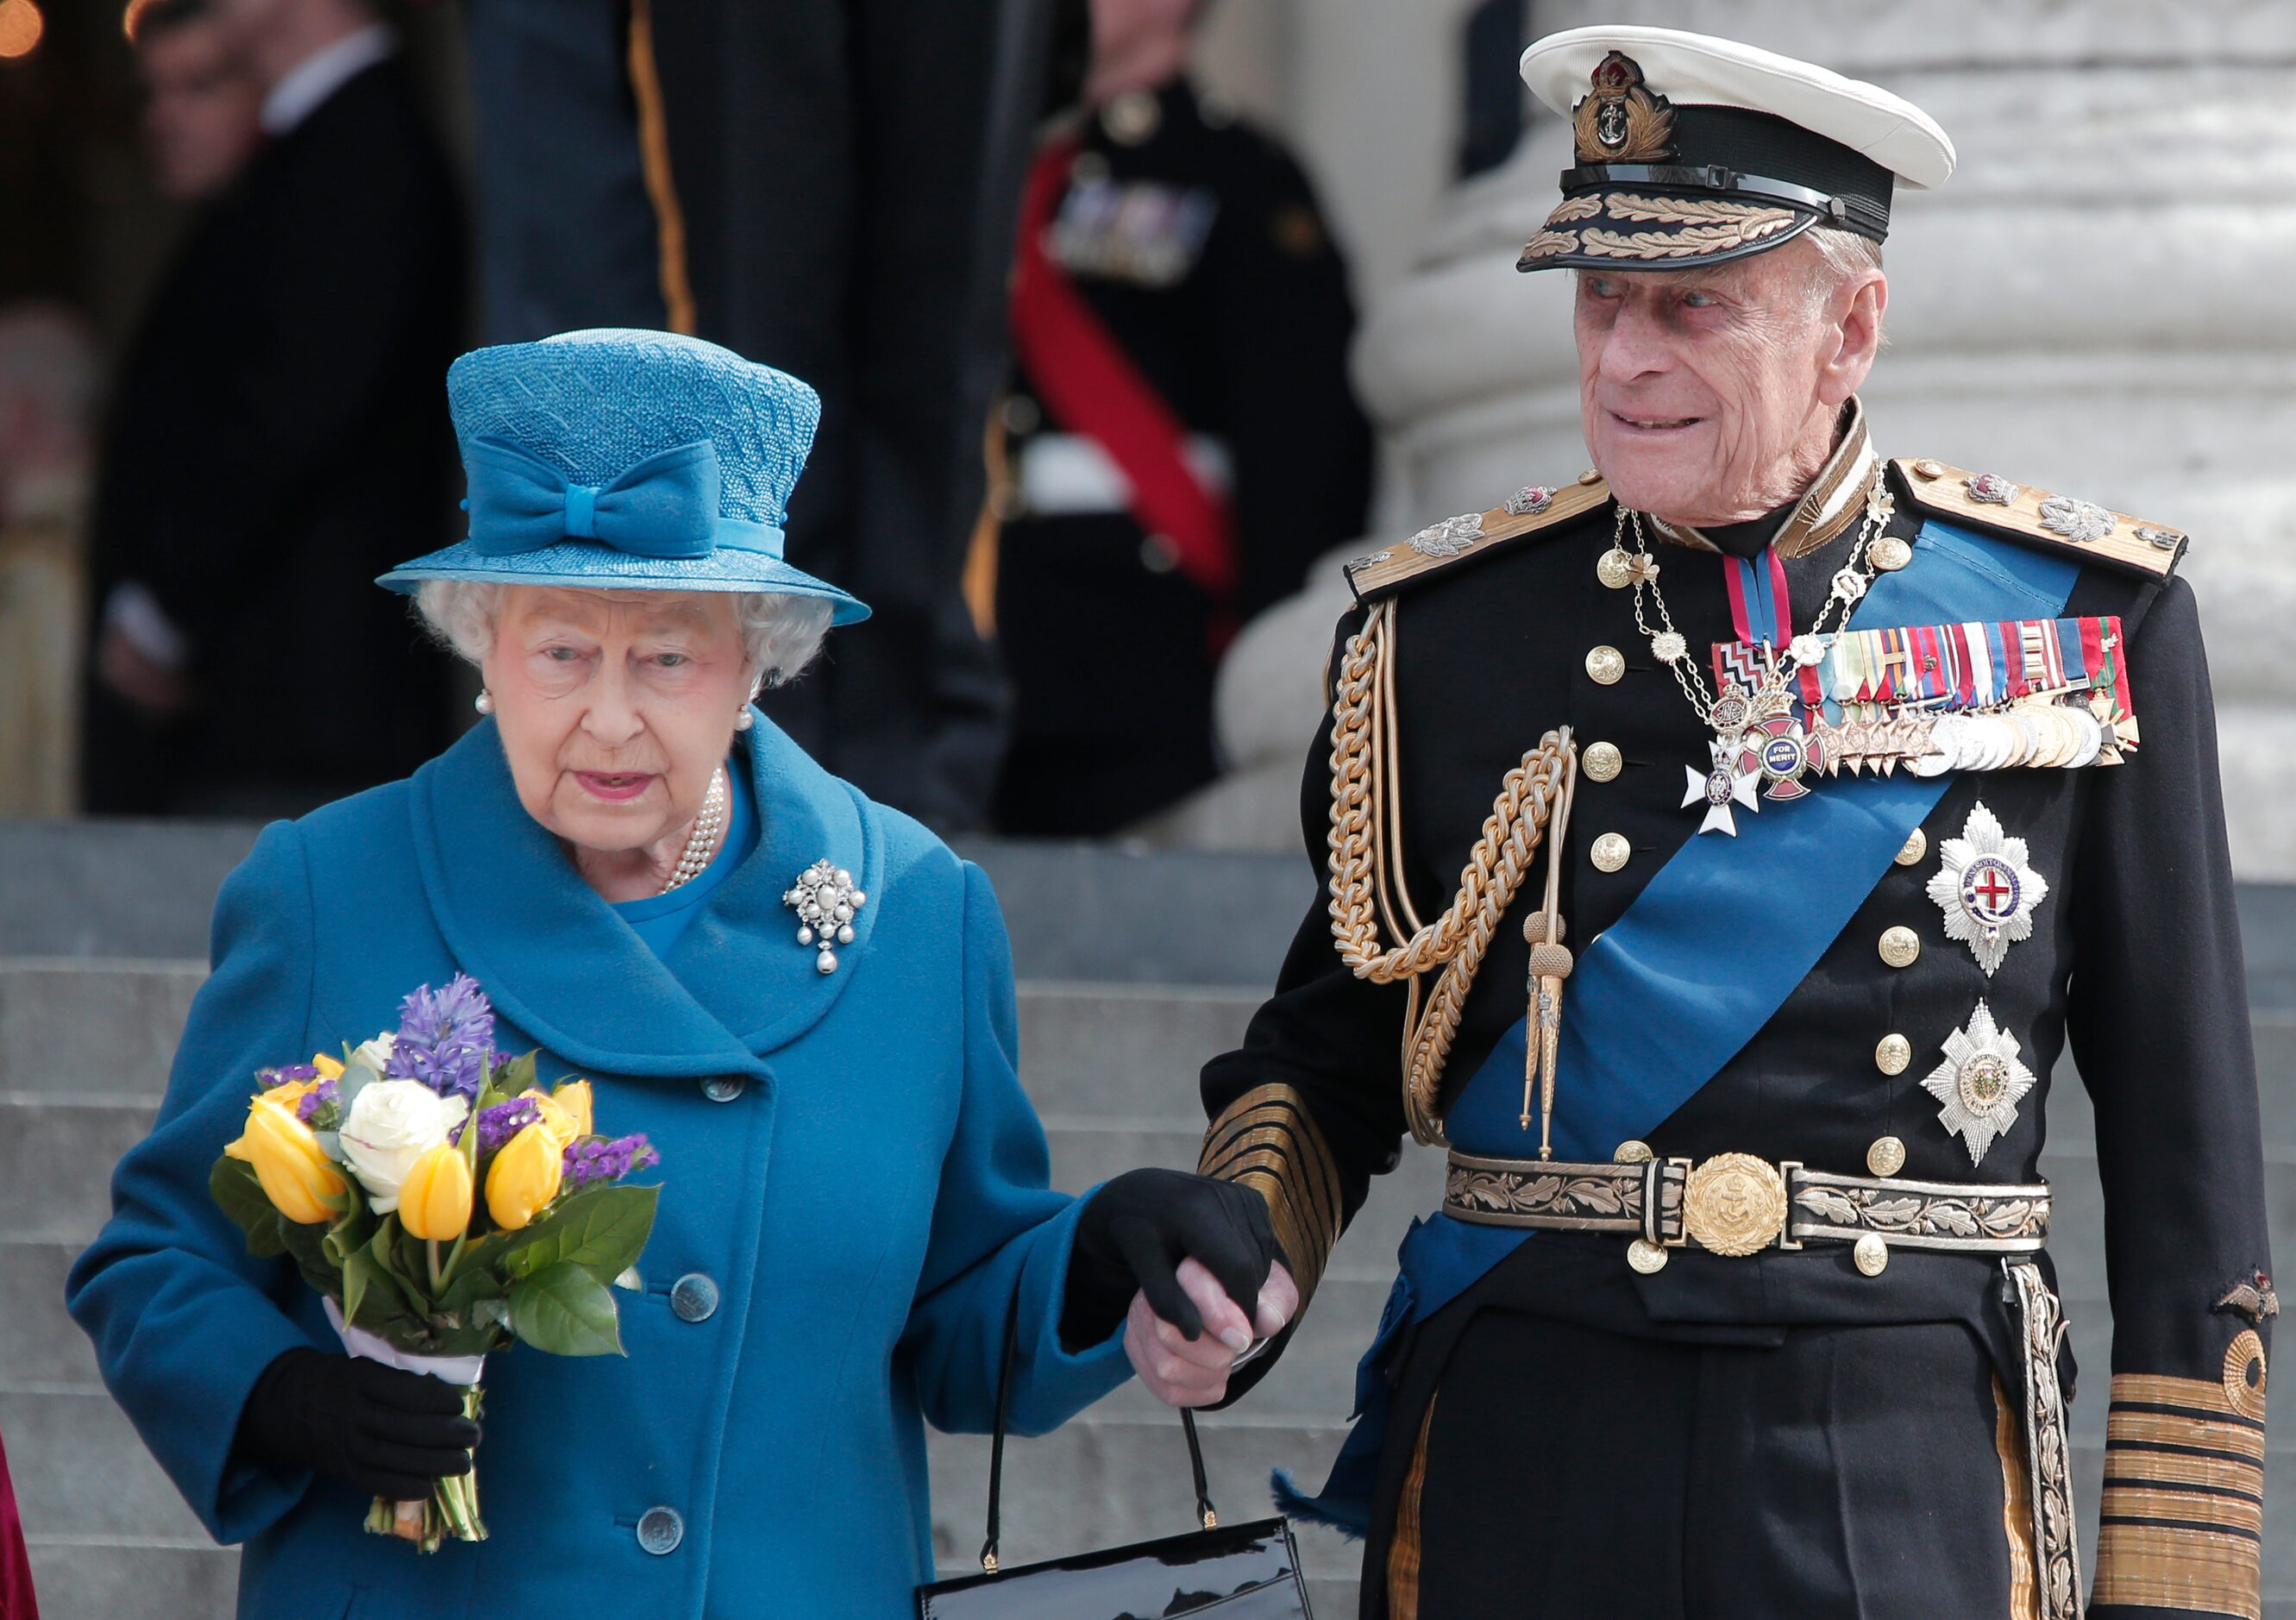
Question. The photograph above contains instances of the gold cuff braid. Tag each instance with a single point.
(2183, 1488)
(1268, 1141)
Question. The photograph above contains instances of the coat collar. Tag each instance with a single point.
(563, 966)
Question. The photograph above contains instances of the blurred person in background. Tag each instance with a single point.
(826, 186)
(202, 109)
(1180, 441)
(277, 438)
(16, 1601)
(47, 390)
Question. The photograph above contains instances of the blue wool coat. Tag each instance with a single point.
(848, 1158)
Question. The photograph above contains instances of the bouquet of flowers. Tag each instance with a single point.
(445, 1205)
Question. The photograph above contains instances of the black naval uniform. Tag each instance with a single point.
(1780, 1434)
(1198, 244)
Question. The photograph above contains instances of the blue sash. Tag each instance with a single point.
(1767, 903)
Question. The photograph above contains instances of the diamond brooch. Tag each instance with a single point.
(826, 902)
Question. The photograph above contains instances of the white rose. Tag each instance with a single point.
(392, 1123)
(377, 1051)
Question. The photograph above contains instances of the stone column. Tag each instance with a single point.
(2096, 303)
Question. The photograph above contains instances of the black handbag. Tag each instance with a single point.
(1237, 1572)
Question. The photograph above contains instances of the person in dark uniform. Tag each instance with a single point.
(1180, 442)
(1808, 804)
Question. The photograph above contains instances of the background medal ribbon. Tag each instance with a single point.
(665, 506)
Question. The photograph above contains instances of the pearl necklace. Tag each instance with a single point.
(701, 844)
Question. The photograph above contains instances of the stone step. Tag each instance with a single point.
(56, 1154)
(98, 1578)
(80, 1470)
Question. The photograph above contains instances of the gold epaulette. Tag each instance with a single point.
(2042, 517)
(1474, 534)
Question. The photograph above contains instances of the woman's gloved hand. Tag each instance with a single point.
(1190, 1266)
(382, 1431)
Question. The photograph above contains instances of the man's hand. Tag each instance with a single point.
(1182, 1371)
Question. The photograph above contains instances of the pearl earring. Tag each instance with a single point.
(744, 720)
(484, 703)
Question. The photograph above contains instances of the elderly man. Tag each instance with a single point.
(1804, 814)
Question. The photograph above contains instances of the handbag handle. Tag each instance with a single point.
(1204, 1510)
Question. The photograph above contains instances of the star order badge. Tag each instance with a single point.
(1987, 888)
(1733, 781)
(1981, 1083)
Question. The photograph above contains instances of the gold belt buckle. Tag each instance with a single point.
(1734, 1204)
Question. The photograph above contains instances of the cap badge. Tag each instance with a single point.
(1622, 122)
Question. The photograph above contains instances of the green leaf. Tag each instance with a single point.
(358, 1265)
(233, 1185)
(603, 1230)
(518, 1075)
(565, 1310)
(308, 1246)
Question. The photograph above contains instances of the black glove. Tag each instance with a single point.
(1137, 1230)
(383, 1432)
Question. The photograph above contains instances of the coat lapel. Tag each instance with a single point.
(563, 966)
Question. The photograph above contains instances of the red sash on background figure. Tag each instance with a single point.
(1091, 388)
(16, 1600)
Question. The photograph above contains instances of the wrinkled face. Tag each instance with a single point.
(200, 118)
(615, 707)
(1697, 388)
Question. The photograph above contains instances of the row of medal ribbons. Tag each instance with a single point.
(1981, 695)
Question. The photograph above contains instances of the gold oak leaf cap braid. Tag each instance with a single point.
(1267, 1140)
(1457, 940)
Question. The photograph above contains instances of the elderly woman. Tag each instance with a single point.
(855, 1194)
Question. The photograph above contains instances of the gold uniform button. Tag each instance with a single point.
(1631, 1152)
(1609, 852)
(1646, 1256)
(1890, 554)
(1592, 475)
(1604, 665)
(1602, 761)
(1900, 946)
(1927, 469)
(1917, 844)
(1872, 1254)
(1892, 1054)
(1886, 1157)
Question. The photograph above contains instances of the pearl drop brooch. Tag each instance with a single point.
(826, 902)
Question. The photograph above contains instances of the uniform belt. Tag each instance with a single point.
(1734, 1203)
(1067, 474)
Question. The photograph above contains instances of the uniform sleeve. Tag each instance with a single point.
(1000, 1236)
(2158, 1012)
(1309, 1108)
(183, 1319)
(1284, 324)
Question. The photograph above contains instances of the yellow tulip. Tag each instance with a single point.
(287, 1094)
(434, 1199)
(296, 1174)
(524, 1176)
(565, 1113)
(329, 1068)
(574, 1097)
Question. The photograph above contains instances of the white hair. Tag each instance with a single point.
(780, 633)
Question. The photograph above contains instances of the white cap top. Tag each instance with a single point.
(1698, 70)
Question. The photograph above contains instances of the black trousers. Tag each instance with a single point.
(1845, 1471)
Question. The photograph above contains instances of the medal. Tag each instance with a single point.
(1987, 888)
(1980, 1083)
(1733, 780)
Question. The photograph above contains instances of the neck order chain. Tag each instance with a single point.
(702, 842)
(1733, 710)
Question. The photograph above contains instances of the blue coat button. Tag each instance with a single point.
(660, 1529)
(693, 1297)
(724, 1088)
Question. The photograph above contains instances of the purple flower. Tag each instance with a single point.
(445, 1040)
(594, 1160)
(325, 1094)
(286, 1074)
(497, 1124)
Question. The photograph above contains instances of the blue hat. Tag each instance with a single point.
(641, 459)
